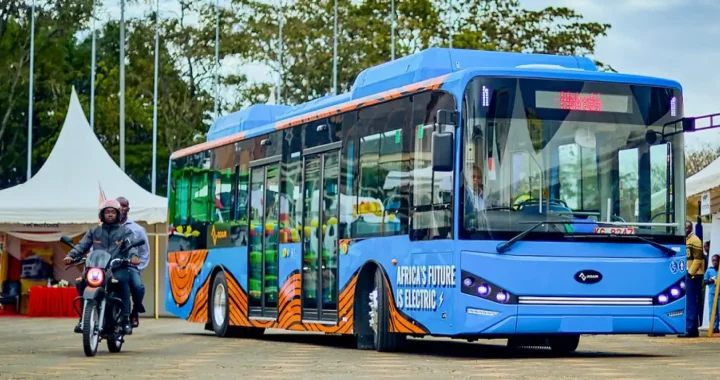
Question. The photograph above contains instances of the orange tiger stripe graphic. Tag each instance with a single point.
(290, 308)
(183, 268)
(199, 312)
(399, 322)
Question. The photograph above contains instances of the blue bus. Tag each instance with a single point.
(453, 193)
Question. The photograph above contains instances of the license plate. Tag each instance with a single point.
(615, 230)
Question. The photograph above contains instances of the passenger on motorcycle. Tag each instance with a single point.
(108, 237)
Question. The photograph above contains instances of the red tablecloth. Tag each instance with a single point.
(52, 302)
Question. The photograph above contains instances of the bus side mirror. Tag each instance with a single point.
(442, 151)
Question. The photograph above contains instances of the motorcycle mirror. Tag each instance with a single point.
(67, 241)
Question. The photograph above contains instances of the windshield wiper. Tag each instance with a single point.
(668, 251)
(502, 247)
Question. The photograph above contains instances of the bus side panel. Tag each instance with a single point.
(423, 281)
(188, 279)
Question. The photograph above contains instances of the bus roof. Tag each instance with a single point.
(428, 69)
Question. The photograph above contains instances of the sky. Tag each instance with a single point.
(674, 39)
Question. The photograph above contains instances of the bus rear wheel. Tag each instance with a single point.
(564, 344)
(219, 313)
(384, 340)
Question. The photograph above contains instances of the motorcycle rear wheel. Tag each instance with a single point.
(115, 343)
(91, 335)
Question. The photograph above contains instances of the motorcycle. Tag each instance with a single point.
(101, 309)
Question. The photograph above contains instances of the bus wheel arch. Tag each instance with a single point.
(361, 322)
(372, 315)
(218, 292)
(217, 269)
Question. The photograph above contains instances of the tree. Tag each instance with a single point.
(364, 36)
(56, 23)
(697, 160)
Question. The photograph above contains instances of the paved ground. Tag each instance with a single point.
(170, 348)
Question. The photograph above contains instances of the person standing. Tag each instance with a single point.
(136, 286)
(710, 280)
(693, 280)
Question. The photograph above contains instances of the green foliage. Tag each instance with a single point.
(364, 36)
(249, 34)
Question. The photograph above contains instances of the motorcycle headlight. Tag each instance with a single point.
(95, 277)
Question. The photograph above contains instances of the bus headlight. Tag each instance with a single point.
(479, 287)
(673, 293)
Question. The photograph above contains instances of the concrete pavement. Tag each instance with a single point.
(171, 348)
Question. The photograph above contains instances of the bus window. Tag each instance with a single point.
(383, 196)
(348, 207)
(660, 172)
(578, 177)
(628, 171)
(179, 193)
(199, 200)
(223, 177)
(432, 192)
(291, 197)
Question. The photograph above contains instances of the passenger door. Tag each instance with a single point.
(320, 230)
(263, 247)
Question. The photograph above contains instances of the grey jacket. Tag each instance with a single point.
(108, 237)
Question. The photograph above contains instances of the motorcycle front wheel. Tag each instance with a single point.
(91, 333)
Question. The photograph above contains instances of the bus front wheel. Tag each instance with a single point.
(564, 344)
(385, 341)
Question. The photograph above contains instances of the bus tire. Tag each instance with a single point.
(218, 306)
(564, 344)
(219, 317)
(385, 341)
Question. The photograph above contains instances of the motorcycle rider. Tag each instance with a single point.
(137, 289)
(109, 237)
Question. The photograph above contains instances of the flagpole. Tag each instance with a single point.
(450, 26)
(392, 30)
(217, 57)
(280, 54)
(335, 47)
(92, 72)
(30, 95)
(122, 85)
(155, 96)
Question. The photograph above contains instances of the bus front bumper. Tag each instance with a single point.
(579, 319)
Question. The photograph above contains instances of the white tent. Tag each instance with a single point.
(65, 193)
(704, 180)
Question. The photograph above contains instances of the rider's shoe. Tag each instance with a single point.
(127, 327)
(78, 327)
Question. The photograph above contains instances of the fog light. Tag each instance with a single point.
(483, 289)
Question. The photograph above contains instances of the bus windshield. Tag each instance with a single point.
(592, 154)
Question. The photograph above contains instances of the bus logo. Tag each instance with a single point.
(215, 234)
(588, 277)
